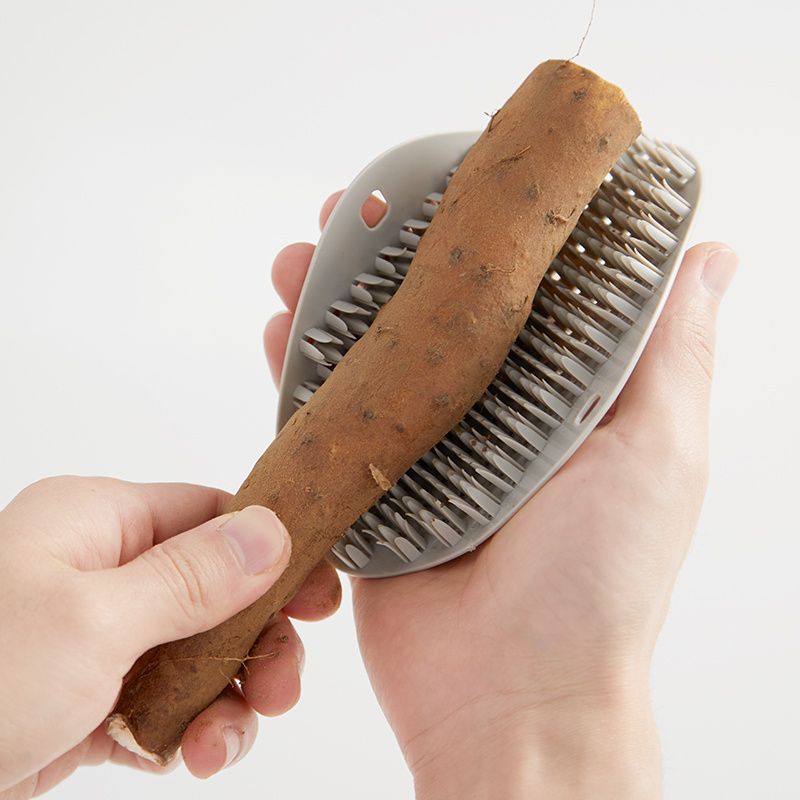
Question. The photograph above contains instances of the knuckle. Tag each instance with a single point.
(694, 337)
(58, 485)
(183, 578)
(73, 492)
(701, 349)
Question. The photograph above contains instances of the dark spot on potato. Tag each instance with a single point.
(579, 94)
(441, 400)
(533, 192)
(399, 427)
(434, 356)
(307, 440)
(554, 218)
(368, 414)
(510, 310)
(485, 273)
(456, 254)
(602, 144)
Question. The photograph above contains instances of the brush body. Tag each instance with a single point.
(592, 315)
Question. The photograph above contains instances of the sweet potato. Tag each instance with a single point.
(429, 355)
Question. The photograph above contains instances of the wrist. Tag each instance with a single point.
(575, 748)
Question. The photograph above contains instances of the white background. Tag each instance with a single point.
(155, 156)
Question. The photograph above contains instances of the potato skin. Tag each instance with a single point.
(427, 358)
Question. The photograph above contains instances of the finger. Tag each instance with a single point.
(673, 377)
(177, 507)
(319, 597)
(103, 748)
(193, 581)
(271, 676)
(327, 208)
(663, 409)
(93, 750)
(276, 340)
(219, 736)
(152, 513)
(22, 790)
(289, 272)
(372, 211)
(145, 514)
(55, 772)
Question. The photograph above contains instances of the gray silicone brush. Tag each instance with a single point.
(591, 318)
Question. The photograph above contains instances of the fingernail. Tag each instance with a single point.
(233, 744)
(718, 271)
(257, 537)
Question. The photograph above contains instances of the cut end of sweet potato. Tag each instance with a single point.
(117, 728)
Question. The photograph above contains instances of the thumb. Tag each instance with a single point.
(670, 387)
(198, 579)
(662, 413)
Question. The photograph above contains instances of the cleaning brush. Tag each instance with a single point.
(591, 318)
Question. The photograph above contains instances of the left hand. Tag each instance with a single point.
(523, 668)
(93, 573)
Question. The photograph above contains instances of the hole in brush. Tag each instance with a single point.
(374, 208)
(592, 405)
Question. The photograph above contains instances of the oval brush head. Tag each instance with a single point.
(591, 318)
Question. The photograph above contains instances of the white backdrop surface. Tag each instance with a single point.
(155, 156)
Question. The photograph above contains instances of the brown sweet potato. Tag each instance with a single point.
(430, 354)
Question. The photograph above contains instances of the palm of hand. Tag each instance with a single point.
(522, 620)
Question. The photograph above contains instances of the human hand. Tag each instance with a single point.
(93, 572)
(524, 666)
